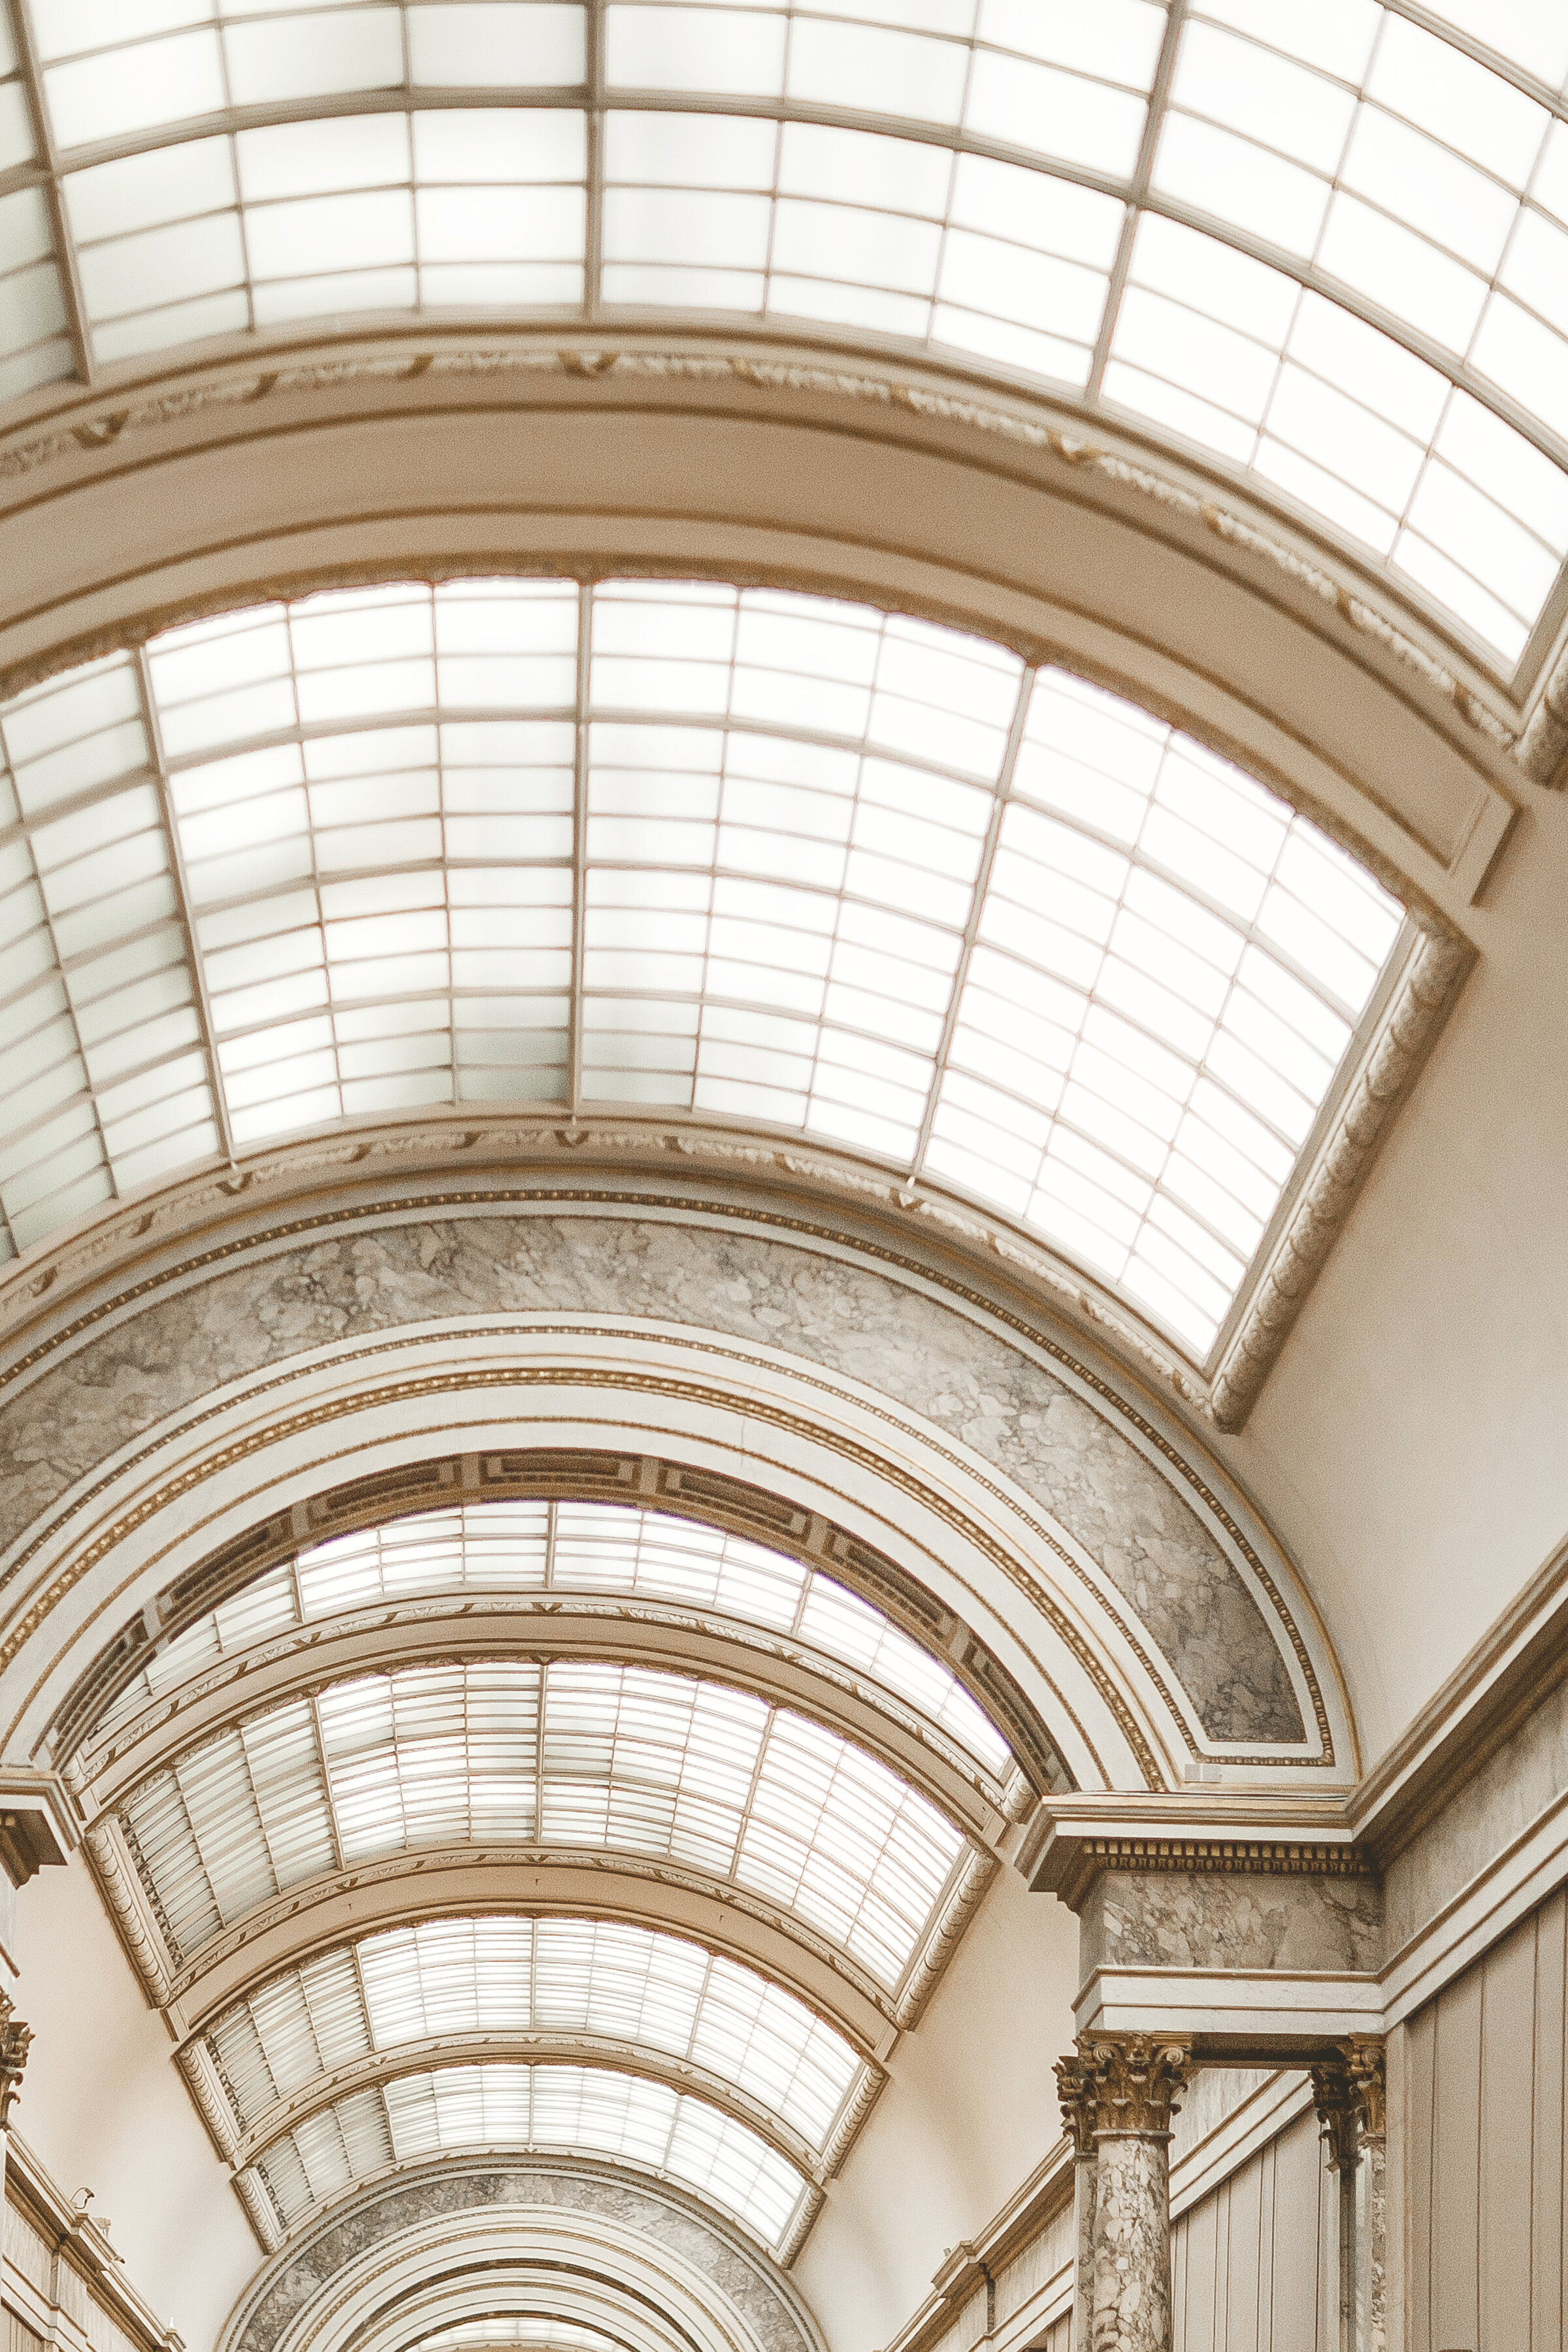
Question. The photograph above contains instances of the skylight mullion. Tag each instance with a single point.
(574, 1013)
(976, 910)
(1137, 191)
(594, 224)
(66, 265)
(182, 903)
(1496, 61)
(329, 1793)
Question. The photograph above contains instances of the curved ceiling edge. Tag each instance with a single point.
(987, 1331)
(343, 2275)
(985, 518)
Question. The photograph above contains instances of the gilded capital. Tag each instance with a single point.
(1364, 2059)
(1137, 2081)
(15, 2041)
(1075, 2095)
(1348, 2091)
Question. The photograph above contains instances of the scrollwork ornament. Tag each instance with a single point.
(1138, 2080)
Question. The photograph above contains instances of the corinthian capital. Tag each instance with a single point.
(1129, 2083)
(15, 2041)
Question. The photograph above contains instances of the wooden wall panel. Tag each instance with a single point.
(1252, 2264)
(1483, 2125)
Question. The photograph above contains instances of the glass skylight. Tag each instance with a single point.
(1338, 255)
(588, 2111)
(538, 2332)
(572, 1755)
(805, 863)
(532, 1547)
(462, 1978)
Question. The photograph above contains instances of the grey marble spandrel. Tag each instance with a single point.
(1157, 1919)
(1150, 1542)
(306, 2272)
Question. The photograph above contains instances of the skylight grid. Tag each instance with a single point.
(440, 209)
(569, 1754)
(463, 1978)
(596, 1547)
(383, 887)
(804, 220)
(773, 925)
(1168, 968)
(588, 2111)
(520, 2328)
(104, 1080)
(1374, 153)
(1392, 182)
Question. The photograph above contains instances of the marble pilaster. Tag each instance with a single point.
(1120, 2093)
(1348, 2090)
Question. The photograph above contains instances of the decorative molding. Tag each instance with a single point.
(974, 1875)
(1069, 1861)
(259, 2210)
(1065, 443)
(81, 2246)
(1393, 1060)
(124, 1886)
(205, 2084)
(707, 1497)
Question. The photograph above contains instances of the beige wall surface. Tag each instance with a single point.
(104, 2106)
(1254, 2266)
(1484, 2151)
(1408, 1446)
(970, 2110)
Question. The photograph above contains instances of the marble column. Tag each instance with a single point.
(1126, 2087)
(1364, 2057)
(1348, 2092)
(1075, 2091)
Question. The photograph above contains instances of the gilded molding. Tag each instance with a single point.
(975, 1873)
(811, 2205)
(1324, 1204)
(124, 1889)
(1064, 444)
(1542, 748)
(1203, 1857)
(348, 1154)
(259, 2210)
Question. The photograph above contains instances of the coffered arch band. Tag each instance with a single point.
(612, 2248)
(301, 1419)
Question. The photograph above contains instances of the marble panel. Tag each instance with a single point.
(1149, 1540)
(1244, 1920)
(297, 2276)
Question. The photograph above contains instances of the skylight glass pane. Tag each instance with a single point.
(588, 2110)
(492, 1977)
(577, 1755)
(1169, 964)
(527, 1546)
(385, 910)
(786, 805)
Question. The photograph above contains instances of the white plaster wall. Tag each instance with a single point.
(103, 2106)
(1412, 1443)
(970, 2111)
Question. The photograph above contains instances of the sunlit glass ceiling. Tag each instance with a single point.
(588, 2111)
(670, 2000)
(565, 1547)
(570, 1754)
(769, 857)
(1335, 256)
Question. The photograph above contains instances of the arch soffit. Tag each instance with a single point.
(843, 470)
(598, 2231)
(887, 1337)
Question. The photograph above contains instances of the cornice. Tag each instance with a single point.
(64, 427)
(82, 2243)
